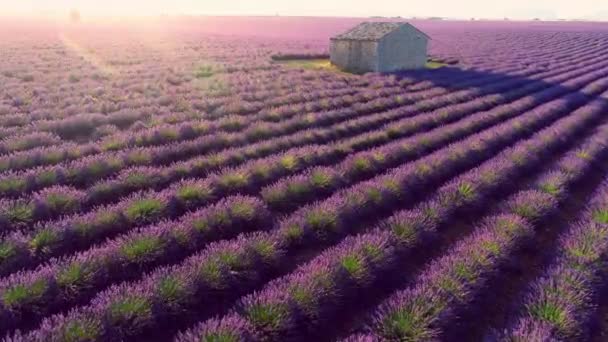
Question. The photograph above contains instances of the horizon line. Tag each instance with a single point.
(63, 17)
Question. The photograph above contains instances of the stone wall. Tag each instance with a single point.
(402, 49)
(354, 55)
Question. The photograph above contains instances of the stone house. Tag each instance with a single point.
(380, 47)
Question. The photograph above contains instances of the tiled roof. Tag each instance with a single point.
(372, 31)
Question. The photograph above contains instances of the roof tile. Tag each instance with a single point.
(371, 31)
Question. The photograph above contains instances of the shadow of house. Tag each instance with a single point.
(567, 87)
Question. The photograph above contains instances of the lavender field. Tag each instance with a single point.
(172, 181)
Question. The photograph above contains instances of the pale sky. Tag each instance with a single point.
(516, 9)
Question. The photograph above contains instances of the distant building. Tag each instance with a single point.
(380, 47)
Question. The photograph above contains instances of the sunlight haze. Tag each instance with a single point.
(515, 9)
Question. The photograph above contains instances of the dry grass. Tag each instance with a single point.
(325, 64)
(435, 65)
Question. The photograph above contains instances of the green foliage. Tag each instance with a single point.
(75, 276)
(112, 144)
(24, 295)
(107, 218)
(379, 157)
(214, 269)
(60, 203)
(20, 214)
(585, 249)
(423, 169)
(465, 271)
(243, 210)
(304, 297)
(262, 170)
(46, 178)
(293, 233)
(7, 251)
(172, 290)
(289, 162)
(142, 249)
(144, 210)
(466, 191)
(361, 164)
(201, 225)
(410, 323)
(218, 219)
(601, 216)
(234, 180)
(82, 331)
(138, 180)
(233, 124)
(550, 188)
(12, 185)
(97, 169)
(374, 195)
(354, 265)
(298, 189)
(322, 220)
(583, 155)
(212, 272)
(451, 285)
(270, 316)
(44, 240)
(191, 193)
(222, 336)
(274, 196)
(393, 186)
(139, 158)
(52, 157)
(490, 247)
(265, 249)
(233, 260)
(320, 179)
(373, 252)
(204, 71)
(526, 211)
(169, 134)
(405, 231)
(132, 311)
(258, 132)
(549, 312)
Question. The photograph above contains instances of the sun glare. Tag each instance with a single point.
(92, 9)
(464, 9)
(88, 56)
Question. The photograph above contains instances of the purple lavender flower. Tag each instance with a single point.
(229, 328)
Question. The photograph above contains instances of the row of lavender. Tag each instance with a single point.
(152, 68)
(49, 241)
(564, 61)
(316, 294)
(29, 209)
(323, 178)
(306, 98)
(321, 222)
(210, 190)
(72, 152)
(18, 183)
